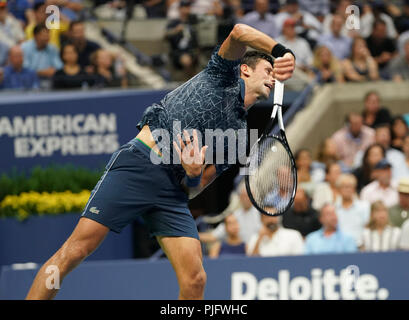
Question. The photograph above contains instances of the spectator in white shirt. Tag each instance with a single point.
(382, 188)
(274, 240)
(379, 235)
(11, 31)
(353, 213)
(327, 191)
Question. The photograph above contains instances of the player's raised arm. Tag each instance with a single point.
(234, 47)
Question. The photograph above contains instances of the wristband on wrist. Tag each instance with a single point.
(192, 182)
(279, 50)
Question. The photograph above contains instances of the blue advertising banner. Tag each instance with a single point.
(83, 128)
(359, 276)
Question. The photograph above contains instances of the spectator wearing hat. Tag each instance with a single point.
(274, 240)
(11, 32)
(379, 235)
(307, 25)
(298, 45)
(381, 188)
(399, 213)
(261, 19)
(329, 239)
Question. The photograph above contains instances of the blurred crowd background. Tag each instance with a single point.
(353, 194)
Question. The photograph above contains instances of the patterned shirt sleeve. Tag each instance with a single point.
(225, 72)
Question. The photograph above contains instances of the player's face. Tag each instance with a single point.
(262, 77)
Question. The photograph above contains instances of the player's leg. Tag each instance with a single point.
(86, 237)
(185, 255)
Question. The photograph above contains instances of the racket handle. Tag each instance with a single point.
(278, 92)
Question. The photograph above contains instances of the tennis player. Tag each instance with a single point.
(132, 185)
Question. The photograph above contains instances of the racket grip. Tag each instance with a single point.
(278, 92)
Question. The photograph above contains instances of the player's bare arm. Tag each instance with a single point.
(234, 47)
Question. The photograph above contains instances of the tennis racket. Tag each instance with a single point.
(271, 178)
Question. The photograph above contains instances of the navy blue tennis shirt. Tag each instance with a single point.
(213, 99)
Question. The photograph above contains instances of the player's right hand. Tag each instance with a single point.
(191, 158)
(284, 67)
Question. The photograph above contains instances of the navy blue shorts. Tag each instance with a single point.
(133, 186)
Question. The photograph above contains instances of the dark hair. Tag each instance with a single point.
(366, 169)
(38, 5)
(393, 121)
(39, 27)
(378, 21)
(63, 48)
(251, 58)
(369, 93)
(74, 23)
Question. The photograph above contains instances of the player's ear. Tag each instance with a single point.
(245, 70)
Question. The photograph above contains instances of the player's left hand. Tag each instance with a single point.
(284, 67)
(191, 158)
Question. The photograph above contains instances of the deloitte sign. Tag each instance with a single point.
(322, 284)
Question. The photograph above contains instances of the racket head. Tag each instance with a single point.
(271, 179)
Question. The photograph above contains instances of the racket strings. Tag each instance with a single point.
(271, 178)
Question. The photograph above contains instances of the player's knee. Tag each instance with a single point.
(196, 282)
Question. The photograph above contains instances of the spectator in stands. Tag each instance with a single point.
(307, 170)
(404, 240)
(399, 213)
(399, 66)
(183, 41)
(339, 45)
(353, 137)
(298, 45)
(14, 75)
(399, 130)
(328, 153)
(108, 70)
(232, 244)
(301, 216)
(40, 17)
(353, 213)
(326, 66)
(402, 17)
(307, 26)
(379, 235)
(40, 55)
(71, 75)
(340, 10)
(247, 215)
(11, 31)
(364, 173)
(374, 114)
(21, 10)
(382, 48)
(274, 240)
(395, 157)
(204, 7)
(360, 66)
(376, 11)
(327, 191)
(382, 188)
(85, 47)
(231, 12)
(329, 239)
(261, 19)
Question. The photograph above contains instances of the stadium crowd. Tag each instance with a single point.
(34, 56)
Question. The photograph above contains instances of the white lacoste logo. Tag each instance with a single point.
(94, 210)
